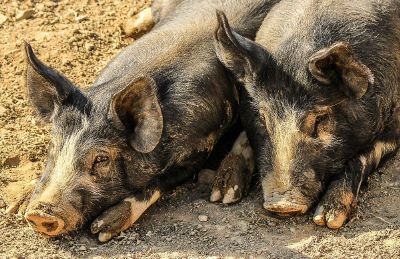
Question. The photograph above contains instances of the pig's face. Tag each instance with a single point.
(85, 174)
(94, 159)
(302, 134)
(299, 149)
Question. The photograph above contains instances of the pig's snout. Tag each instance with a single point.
(45, 223)
(284, 206)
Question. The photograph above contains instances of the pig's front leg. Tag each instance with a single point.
(233, 177)
(342, 193)
(123, 215)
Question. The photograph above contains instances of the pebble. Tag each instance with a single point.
(203, 218)
(89, 47)
(271, 224)
(2, 203)
(292, 229)
(81, 18)
(25, 14)
(82, 248)
(3, 19)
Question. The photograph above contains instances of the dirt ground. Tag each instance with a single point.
(78, 37)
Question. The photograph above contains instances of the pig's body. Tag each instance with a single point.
(322, 109)
(152, 118)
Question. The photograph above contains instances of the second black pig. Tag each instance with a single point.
(320, 99)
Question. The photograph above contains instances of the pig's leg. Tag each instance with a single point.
(148, 17)
(123, 215)
(234, 174)
(162, 8)
(342, 193)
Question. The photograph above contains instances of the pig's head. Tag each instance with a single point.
(302, 133)
(94, 144)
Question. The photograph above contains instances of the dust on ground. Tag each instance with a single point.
(78, 37)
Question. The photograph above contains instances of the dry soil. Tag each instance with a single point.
(78, 37)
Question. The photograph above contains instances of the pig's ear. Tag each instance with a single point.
(243, 57)
(136, 110)
(337, 65)
(46, 87)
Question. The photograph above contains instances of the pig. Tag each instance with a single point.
(319, 99)
(150, 121)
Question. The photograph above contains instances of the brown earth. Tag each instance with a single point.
(78, 37)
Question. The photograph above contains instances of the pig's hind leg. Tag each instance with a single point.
(342, 193)
(233, 177)
(148, 17)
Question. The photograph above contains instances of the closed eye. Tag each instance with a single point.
(100, 161)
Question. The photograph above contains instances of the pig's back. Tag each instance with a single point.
(184, 36)
(296, 29)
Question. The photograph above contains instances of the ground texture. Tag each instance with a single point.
(78, 37)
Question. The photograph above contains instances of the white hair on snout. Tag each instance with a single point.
(282, 123)
(66, 177)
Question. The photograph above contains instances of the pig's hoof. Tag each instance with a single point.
(232, 180)
(140, 23)
(335, 208)
(206, 177)
(113, 221)
(21, 203)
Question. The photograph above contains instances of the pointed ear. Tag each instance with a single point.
(136, 110)
(243, 57)
(338, 65)
(46, 87)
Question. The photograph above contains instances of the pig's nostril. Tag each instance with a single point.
(50, 226)
(44, 223)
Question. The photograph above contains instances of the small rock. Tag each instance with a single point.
(82, 248)
(203, 218)
(25, 14)
(2, 203)
(81, 18)
(271, 224)
(3, 19)
(11, 161)
(89, 46)
(292, 229)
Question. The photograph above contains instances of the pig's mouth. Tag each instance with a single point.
(48, 225)
(285, 208)
(287, 204)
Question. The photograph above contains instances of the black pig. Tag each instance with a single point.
(320, 99)
(149, 122)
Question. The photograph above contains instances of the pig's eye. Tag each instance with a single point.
(101, 160)
(319, 120)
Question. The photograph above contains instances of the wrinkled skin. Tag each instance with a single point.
(147, 125)
(320, 91)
